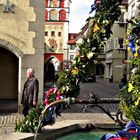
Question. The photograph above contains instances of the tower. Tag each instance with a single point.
(56, 36)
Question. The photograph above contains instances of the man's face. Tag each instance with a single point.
(29, 74)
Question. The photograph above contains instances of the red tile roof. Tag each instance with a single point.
(72, 41)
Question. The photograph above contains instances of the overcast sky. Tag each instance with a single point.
(79, 12)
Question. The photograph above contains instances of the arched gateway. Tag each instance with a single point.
(10, 57)
(9, 75)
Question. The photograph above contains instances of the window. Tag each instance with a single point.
(53, 33)
(72, 47)
(71, 57)
(121, 42)
(59, 34)
(46, 33)
(71, 37)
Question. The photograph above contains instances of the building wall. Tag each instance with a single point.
(115, 54)
(118, 31)
(118, 66)
(56, 41)
(37, 59)
(17, 32)
(57, 19)
(22, 33)
(133, 8)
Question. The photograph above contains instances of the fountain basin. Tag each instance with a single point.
(61, 128)
(95, 134)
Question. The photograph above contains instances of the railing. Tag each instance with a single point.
(93, 101)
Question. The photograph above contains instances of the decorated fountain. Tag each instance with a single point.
(67, 89)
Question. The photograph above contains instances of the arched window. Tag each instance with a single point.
(61, 4)
(62, 15)
(46, 14)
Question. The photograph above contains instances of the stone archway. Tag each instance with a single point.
(9, 75)
(51, 69)
(10, 79)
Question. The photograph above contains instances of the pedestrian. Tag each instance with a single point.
(123, 81)
(30, 92)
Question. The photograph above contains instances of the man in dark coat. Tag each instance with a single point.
(30, 92)
(123, 81)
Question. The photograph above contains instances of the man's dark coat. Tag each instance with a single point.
(30, 91)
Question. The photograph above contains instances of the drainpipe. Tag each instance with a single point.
(67, 56)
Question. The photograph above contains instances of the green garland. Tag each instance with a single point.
(99, 31)
(130, 94)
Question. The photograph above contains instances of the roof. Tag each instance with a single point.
(72, 38)
(72, 41)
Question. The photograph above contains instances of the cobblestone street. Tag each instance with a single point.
(8, 121)
(102, 87)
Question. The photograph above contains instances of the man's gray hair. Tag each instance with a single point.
(31, 70)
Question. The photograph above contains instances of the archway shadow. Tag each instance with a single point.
(8, 106)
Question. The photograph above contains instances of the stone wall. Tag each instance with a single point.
(22, 32)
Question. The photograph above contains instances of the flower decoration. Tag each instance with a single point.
(131, 44)
(137, 102)
(68, 83)
(130, 94)
(96, 27)
(132, 40)
(95, 5)
(50, 95)
(131, 131)
(130, 87)
(74, 71)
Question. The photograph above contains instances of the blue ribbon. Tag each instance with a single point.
(94, 6)
(50, 111)
(61, 107)
(54, 113)
(48, 114)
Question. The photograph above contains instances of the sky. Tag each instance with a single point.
(79, 12)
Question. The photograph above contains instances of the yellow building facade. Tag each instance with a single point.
(21, 45)
(54, 37)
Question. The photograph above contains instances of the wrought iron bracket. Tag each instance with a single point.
(93, 100)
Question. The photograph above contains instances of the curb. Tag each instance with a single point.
(60, 129)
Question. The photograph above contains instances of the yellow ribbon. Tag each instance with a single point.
(130, 87)
(96, 27)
